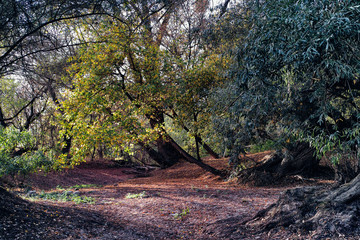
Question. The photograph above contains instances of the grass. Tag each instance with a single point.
(136, 195)
(65, 196)
(182, 214)
(195, 188)
(78, 186)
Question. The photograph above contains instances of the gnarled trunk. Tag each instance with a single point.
(326, 213)
(299, 160)
(168, 151)
(191, 159)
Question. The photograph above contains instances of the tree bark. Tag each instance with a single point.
(156, 156)
(2, 121)
(170, 151)
(299, 160)
(191, 159)
(326, 213)
(207, 148)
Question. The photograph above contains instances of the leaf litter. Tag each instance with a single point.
(181, 202)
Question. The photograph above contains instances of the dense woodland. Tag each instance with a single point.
(154, 83)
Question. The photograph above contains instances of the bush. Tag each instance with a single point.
(18, 154)
(263, 146)
(136, 195)
(64, 196)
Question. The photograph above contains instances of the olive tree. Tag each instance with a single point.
(298, 73)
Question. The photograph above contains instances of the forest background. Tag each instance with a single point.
(159, 81)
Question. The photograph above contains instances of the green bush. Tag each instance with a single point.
(18, 154)
(78, 186)
(136, 195)
(64, 196)
(263, 146)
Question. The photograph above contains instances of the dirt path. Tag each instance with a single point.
(182, 202)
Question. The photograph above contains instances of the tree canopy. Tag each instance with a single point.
(166, 77)
(127, 82)
(139, 73)
(297, 74)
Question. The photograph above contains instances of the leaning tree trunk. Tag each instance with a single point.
(170, 155)
(168, 151)
(191, 159)
(206, 147)
(299, 160)
(156, 156)
(166, 155)
(326, 213)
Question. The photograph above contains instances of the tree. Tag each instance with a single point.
(29, 30)
(286, 108)
(299, 71)
(124, 86)
(19, 154)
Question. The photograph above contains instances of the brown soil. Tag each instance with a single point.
(181, 202)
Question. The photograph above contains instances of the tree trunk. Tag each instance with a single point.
(169, 152)
(299, 160)
(326, 213)
(155, 155)
(207, 148)
(197, 148)
(191, 159)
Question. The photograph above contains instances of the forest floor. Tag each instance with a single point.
(181, 202)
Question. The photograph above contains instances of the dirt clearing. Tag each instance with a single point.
(181, 202)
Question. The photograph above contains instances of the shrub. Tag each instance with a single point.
(18, 153)
(65, 196)
(136, 195)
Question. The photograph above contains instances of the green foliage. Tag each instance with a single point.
(64, 196)
(17, 154)
(297, 75)
(262, 146)
(182, 214)
(136, 195)
(99, 110)
(78, 186)
(126, 82)
(10, 101)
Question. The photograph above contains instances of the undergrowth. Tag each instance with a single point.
(182, 214)
(65, 196)
(78, 186)
(136, 195)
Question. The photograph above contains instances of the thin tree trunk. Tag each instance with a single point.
(207, 148)
(191, 159)
(197, 141)
(197, 148)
